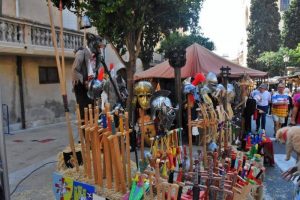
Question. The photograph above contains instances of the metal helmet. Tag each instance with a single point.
(161, 105)
(205, 90)
(211, 78)
(95, 88)
(143, 91)
(220, 91)
(230, 92)
(188, 88)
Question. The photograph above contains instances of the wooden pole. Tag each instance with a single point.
(205, 117)
(142, 133)
(101, 168)
(190, 133)
(62, 87)
(128, 149)
(121, 128)
(114, 162)
(62, 43)
(82, 142)
(87, 142)
(92, 139)
(96, 139)
(121, 175)
(107, 160)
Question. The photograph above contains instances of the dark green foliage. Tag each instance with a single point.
(291, 28)
(145, 21)
(130, 25)
(263, 30)
(273, 62)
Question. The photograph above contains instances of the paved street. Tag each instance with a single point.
(275, 187)
(32, 148)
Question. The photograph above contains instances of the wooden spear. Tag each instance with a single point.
(62, 84)
(190, 133)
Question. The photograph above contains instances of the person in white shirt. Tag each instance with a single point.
(263, 98)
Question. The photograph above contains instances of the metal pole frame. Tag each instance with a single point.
(4, 181)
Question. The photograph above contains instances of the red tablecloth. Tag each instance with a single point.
(267, 146)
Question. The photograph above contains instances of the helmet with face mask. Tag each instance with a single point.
(143, 91)
(211, 79)
(95, 88)
(161, 106)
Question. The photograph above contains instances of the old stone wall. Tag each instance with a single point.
(43, 102)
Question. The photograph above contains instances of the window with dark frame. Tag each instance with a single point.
(48, 75)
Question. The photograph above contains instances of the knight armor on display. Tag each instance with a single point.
(161, 107)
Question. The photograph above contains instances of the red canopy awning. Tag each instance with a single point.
(198, 59)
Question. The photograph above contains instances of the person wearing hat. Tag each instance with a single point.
(263, 98)
(280, 105)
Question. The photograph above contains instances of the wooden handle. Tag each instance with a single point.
(97, 158)
(82, 142)
(107, 160)
(120, 172)
(126, 121)
(128, 158)
(87, 142)
(121, 123)
(142, 133)
(62, 85)
(115, 173)
(190, 134)
(123, 155)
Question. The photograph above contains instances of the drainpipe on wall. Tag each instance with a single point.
(0, 7)
(17, 8)
(21, 93)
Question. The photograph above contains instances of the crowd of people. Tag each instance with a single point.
(282, 104)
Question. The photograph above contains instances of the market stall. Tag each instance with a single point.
(101, 165)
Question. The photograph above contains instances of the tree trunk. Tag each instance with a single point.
(133, 47)
(130, 83)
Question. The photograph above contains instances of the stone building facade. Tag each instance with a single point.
(28, 76)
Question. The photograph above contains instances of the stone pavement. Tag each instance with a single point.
(30, 149)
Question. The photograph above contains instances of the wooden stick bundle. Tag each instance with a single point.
(62, 78)
(82, 140)
(88, 144)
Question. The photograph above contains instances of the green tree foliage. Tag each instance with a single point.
(294, 56)
(177, 39)
(132, 24)
(291, 28)
(263, 30)
(273, 62)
